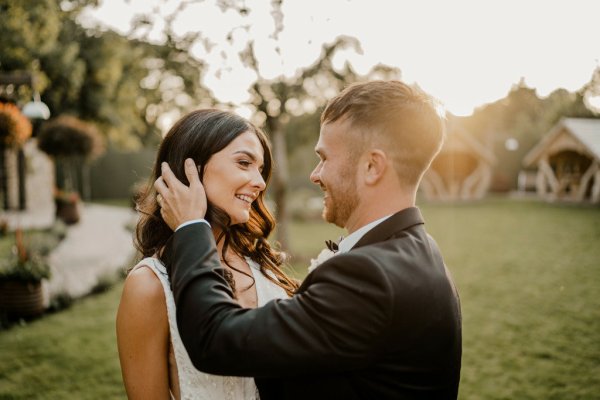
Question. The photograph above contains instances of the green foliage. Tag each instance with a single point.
(29, 29)
(24, 257)
(123, 85)
(111, 89)
(34, 269)
(20, 262)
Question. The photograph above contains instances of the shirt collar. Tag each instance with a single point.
(348, 242)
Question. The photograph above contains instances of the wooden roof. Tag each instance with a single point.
(585, 132)
(458, 139)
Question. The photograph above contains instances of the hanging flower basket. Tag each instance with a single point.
(15, 128)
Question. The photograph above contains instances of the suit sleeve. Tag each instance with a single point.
(335, 324)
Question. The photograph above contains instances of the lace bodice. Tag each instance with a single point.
(194, 384)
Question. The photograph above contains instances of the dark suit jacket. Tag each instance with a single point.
(381, 321)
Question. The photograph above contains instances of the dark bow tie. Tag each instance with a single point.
(333, 246)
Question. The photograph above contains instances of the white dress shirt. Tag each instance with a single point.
(348, 242)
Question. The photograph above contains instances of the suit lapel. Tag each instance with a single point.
(396, 223)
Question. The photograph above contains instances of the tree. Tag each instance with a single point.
(123, 85)
(274, 100)
(591, 92)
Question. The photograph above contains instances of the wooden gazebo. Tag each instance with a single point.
(568, 161)
(462, 170)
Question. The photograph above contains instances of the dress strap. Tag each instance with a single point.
(153, 263)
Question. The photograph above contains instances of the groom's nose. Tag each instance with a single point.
(314, 175)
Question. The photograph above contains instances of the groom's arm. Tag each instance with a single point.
(334, 325)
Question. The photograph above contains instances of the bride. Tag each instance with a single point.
(234, 161)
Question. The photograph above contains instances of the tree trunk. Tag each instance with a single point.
(280, 181)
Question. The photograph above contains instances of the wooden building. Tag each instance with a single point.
(567, 161)
(462, 170)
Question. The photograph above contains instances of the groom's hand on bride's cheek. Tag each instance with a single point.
(180, 203)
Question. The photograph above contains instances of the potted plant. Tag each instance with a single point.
(21, 275)
(67, 206)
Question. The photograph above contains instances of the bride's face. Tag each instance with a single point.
(232, 177)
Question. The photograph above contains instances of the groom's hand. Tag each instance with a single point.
(180, 203)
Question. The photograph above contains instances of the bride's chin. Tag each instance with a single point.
(240, 220)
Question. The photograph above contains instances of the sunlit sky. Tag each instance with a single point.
(464, 52)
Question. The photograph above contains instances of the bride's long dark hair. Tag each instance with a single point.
(198, 135)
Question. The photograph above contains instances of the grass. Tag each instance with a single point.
(528, 276)
(67, 355)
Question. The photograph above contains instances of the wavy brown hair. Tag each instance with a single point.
(198, 135)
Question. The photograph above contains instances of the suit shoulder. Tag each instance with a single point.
(356, 268)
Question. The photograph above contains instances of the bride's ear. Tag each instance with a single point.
(375, 166)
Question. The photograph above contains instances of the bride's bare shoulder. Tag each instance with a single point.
(143, 286)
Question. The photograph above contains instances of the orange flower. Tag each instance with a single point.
(15, 128)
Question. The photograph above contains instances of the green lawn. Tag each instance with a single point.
(528, 276)
(529, 280)
(67, 355)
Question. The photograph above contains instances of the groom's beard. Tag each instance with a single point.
(342, 199)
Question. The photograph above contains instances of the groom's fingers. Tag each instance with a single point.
(180, 203)
(169, 177)
(161, 187)
(191, 172)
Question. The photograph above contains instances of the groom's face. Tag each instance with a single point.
(336, 173)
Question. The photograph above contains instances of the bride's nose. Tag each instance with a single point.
(258, 181)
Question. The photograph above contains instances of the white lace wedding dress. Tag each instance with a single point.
(194, 384)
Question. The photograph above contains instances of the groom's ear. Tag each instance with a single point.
(375, 166)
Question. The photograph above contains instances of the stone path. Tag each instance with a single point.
(96, 247)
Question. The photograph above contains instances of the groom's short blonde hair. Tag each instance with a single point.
(402, 120)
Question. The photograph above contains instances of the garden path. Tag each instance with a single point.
(95, 249)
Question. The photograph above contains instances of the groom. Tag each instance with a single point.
(379, 320)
